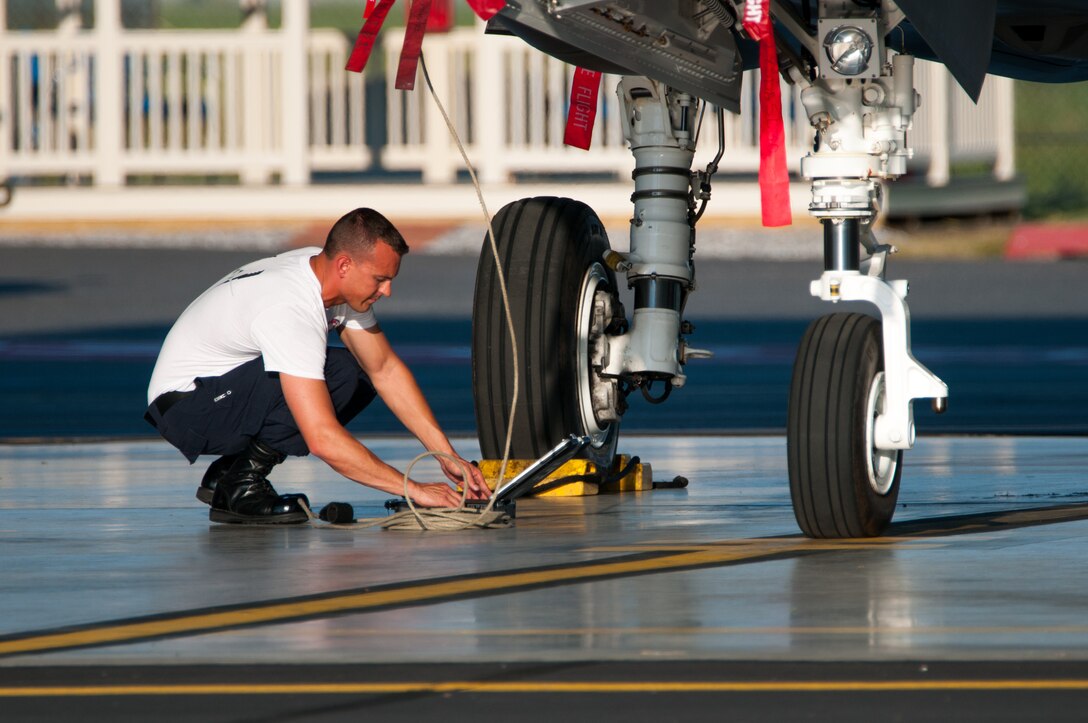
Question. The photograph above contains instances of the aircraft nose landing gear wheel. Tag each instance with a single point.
(563, 301)
(840, 483)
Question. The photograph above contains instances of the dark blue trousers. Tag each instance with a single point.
(223, 413)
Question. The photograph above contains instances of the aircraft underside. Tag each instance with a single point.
(582, 354)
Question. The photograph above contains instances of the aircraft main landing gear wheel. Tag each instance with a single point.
(563, 301)
(840, 483)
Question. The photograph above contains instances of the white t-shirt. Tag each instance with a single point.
(270, 308)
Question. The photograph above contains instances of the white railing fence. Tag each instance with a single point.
(108, 104)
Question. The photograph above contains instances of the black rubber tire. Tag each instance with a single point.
(546, 246)
(829, 456)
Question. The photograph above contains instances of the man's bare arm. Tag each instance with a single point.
(312, 408)
(397, 386)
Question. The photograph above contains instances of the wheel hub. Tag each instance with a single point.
(598, 396)
(882, 463)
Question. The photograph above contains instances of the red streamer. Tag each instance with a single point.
(375, 12)
(413, 45)
(774, 178)
(486, 8)
(583, 108)
(364, 44)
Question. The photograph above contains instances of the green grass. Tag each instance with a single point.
(1052, 148)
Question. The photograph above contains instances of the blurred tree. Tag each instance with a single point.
(45, 14)
(1052, 147)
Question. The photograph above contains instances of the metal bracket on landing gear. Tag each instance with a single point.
(905, 378)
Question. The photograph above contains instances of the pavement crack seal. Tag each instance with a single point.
(429, 592)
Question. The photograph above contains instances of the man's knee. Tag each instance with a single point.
(340, 364)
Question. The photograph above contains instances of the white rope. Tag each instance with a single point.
(424, 518)
(458, 518)
(498, 269)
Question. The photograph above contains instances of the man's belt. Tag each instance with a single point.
(164, 401)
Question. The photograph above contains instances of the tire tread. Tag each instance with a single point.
(545, 245)
(833, 371)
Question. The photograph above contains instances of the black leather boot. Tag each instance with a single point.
(244, 495)
(216, 471)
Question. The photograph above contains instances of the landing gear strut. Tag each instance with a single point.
(579, 357)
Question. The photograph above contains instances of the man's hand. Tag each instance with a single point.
(434, 494)
(477, 488)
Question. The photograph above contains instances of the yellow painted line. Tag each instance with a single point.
(806, 544)
(700, 631)
(475, 686)
(362, 601)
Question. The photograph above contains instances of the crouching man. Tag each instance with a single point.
(246, 373)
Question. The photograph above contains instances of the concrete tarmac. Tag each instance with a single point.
(120, 599)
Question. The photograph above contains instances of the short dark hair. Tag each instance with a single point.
(357, 231)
